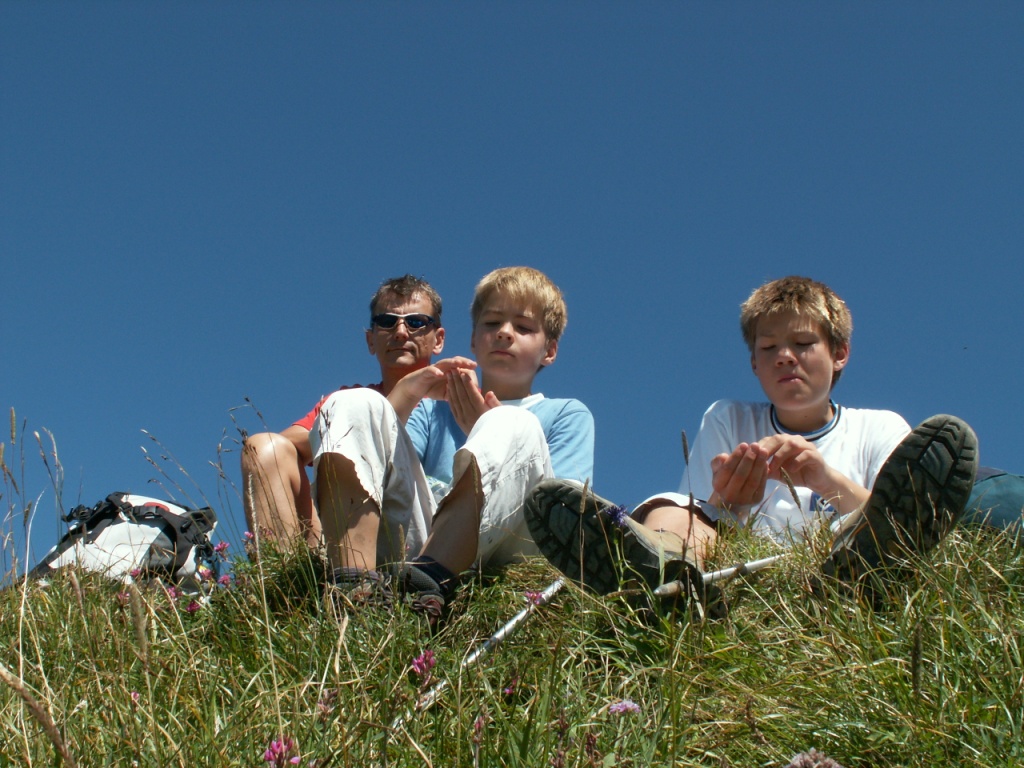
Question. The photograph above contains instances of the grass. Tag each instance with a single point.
(116, 675)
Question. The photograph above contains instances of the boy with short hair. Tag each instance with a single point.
(746, 456)
(482, 448)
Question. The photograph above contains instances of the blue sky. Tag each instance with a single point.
(197, 200)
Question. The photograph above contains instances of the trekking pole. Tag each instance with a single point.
(676, 587)
(427, 699)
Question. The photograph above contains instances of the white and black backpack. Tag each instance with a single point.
(127, 536)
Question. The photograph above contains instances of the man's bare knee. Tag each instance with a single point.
(275, 501)
(266, 451)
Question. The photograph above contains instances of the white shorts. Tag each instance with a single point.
(362, 426)
(512, 455)
(506, 445)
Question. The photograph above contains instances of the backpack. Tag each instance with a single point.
(130, 537)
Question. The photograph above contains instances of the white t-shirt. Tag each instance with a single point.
(856, 443)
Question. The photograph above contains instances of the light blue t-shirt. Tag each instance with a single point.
(567, 423)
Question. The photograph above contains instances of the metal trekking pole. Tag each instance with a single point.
(713, 577)
(427, 699)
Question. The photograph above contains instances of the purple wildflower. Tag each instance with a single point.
(123, 598)
(618, 516)
(533, 596)
(225, 580)
(625, 706)
(173, 592)
(282, 753)
(509, 689)
(248, 536)
(220, 548)
(192, 607)
(135, 573)
(423, 663)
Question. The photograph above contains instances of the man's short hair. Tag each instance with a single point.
(531, 287)
(405, 287)
(805, 297)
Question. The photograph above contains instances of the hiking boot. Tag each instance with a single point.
(917, 498)
(354, 588)
(590, 540)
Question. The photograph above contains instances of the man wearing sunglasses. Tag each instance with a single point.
(405, 333)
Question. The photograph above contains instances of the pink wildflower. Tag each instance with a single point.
(248, 536)
(423, 663)
(225, 580)
(135, 573)
(221, 547)
(192, 607)
(282, 753)
(533, 597)
(123, 598)
(478, 727)
(135, 697)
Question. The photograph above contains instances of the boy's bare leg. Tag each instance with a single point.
(455, 532)
(350, 518)
(450, 549)
(697, 535)
(275, 490)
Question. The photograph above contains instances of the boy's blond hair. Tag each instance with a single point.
(805, 297)
(531, 287)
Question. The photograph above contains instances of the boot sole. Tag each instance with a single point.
(917, 498)
(581, 535)
(573, 532)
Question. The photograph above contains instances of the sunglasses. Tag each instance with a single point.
(414, 322)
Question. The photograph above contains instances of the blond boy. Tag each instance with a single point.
(747, 454)
(480, 448)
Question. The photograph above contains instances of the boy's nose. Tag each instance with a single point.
(784, 356)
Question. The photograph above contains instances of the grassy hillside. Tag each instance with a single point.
(125, 676)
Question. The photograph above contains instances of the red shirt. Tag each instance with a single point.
(306, 422)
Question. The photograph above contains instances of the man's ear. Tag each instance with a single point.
(369, 341)
(438, 341)
(753, 363)
(551, 353)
